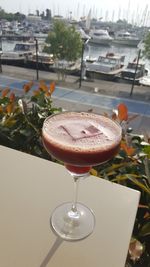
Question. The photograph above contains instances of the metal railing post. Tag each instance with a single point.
(37, 59)
(82, 54)
(133, 83)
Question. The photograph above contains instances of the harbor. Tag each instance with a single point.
(75, 91)
(99, 62)
(100, 39)
(108, 72)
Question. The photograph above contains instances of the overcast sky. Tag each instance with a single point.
(108, 9)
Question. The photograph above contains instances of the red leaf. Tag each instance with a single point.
(5, 92)
(52, 87)
(43, 87)
(36, 92)
(12, 97)
(122, 112)
(27, 86)
(1, 109)
(9, 108)
(129, 150)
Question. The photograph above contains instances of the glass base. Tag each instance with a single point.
(72, 224)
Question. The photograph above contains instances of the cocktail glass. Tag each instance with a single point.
(81, 140)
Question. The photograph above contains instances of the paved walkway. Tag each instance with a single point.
(102, 87)
(77, 101)
(100, 96)
(101, 101)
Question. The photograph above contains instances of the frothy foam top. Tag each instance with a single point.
(81, 131)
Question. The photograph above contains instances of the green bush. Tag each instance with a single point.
(21, 121)
(131, 168)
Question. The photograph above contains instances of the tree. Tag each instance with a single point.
(11, 16)
(42, 15)
(146, 51)
(48, 14)
(64, 42)
(19, 16)
(37, 12)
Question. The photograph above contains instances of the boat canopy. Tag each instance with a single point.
(24, 47)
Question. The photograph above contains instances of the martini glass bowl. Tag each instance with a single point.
(81, 140)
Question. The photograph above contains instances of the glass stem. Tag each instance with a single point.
(76, 183)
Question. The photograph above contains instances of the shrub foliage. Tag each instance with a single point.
(21, 121)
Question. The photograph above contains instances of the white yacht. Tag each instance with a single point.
(126, 38)
(101, 37)
(45, 61)
(106, 67)
(134, 71)
(145, 80)
(19, 55)
(82, 33)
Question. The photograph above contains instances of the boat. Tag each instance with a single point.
(125, 38)
(100, 37)
(133, 71)
(83, 35)
(19, 55)
(145, 80)
(44, 61)
(106, 67)
(68, 67)
(89, 59)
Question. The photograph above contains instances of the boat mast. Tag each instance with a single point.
(88, 21)
(119, 13)
(128, 12)
(78, 11)
(137, 16)
(145, 16)
(113, 15)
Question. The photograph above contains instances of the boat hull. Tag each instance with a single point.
(145, 81)
(133, 72)
(13, 62)
(97, 41)
(41, 65)
(126, 42)
(102, 76)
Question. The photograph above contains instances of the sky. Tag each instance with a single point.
(105, 9)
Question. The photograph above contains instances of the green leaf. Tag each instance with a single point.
(133, 178)
(25, 132)
(145, 230)
(61, 39)
(9, 122)
(140, 185)
(125, 177)
(146, 150)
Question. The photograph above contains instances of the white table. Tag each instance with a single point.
(30, 188)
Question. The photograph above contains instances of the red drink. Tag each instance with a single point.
(80, 139)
